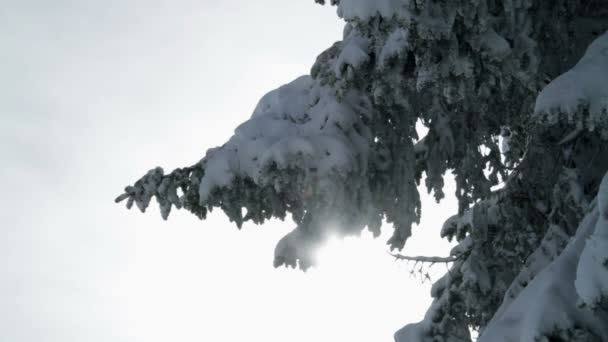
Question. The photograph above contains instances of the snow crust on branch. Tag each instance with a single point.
(300, 125)
(579, 96)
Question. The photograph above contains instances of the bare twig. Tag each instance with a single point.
(431, 259)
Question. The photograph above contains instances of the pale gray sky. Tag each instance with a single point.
(92, 95)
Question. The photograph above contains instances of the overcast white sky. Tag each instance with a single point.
(92, 95)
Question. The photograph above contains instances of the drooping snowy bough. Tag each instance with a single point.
(514, 95)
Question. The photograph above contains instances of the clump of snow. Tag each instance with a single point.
(293, 248)
(354, 53)
(592, 272)
(298, 92)
(300, 125)
(395, 45)
(457, 225)
(583, 86)
(495, 45)
(218, 173)
(505, 140)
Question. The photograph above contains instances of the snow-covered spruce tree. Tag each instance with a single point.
(338, 151)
